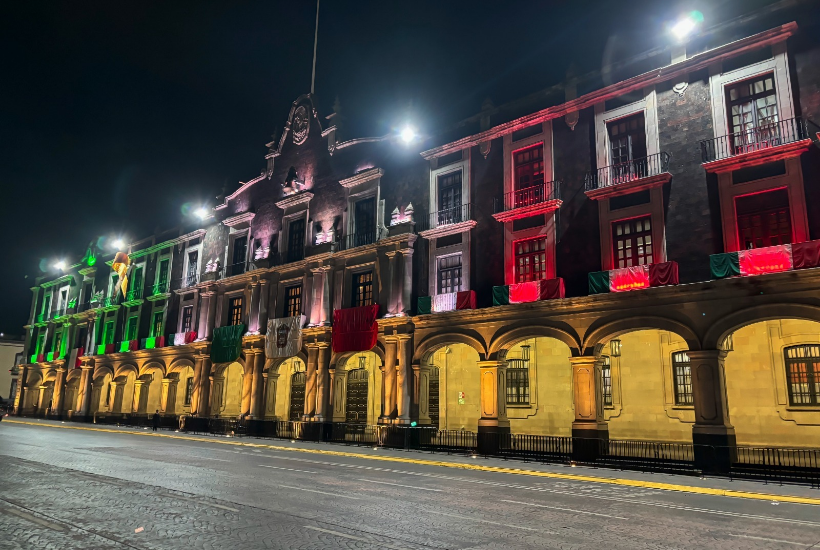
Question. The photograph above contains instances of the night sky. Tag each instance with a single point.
(113, 115)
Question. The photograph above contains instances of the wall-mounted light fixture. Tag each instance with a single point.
(615, 347)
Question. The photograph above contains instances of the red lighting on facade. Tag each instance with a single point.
(629, 278)
(771, 259)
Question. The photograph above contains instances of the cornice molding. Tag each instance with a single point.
(295, 200)
(450, 229)
(239, 219)
(361, 177)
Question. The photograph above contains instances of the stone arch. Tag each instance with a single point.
(229, 397)
(606, 329)
(505, 339)
(372, 377)
(124, 369)
(50, 376)
(721, 328)
(272, 365)
(218, 369)
(179, 364)
(429, 345)
(73, 374)
(153, 364)
(102, 371)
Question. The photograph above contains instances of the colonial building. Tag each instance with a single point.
(629, 259)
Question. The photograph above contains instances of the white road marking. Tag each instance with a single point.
(399, 485)
(320, 492)
(210, 458)
(346, 536)
(770, 540)
(490, 522)
(562, 509)
(288, 469)
(34, 519)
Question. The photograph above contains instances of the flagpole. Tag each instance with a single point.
(315, 42)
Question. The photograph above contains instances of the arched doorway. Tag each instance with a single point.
(70, 400)
(357, 394)
(298, 383)
(357, 389)
(434, 396)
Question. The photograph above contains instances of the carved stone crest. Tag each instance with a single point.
(300, 125)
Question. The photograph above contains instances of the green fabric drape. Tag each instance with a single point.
(424, 305)
(501, 295)
(724, 265)
(598, 282)
(227, 343)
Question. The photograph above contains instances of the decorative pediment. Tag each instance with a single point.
(362, 177)
(295, 200)
(240, 221)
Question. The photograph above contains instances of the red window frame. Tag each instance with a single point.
(530, 261)
(767, 223)
(528, 175)
(633, 244)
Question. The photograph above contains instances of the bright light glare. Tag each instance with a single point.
(59, 265)
(408, 134)
(684, 27)
(201, 213)
(118, 243)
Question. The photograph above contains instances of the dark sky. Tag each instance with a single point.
(114, 114)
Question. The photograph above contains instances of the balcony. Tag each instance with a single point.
(628, 177)
(359, 238)
(446, 222)
(160, 288)
(759, 145)
(133, 294)
(110, 301)
(532, 201)
(59, 312)
(233, 270)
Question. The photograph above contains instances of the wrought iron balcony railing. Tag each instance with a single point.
(233, 270)
(110, 301)
(625, 172)
(133, 294)
(295, 254)
(763, 136)
(530, 196)
(359, 238)
(161, 287)
(448, 216)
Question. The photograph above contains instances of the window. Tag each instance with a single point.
(46, 304)
(529, 167)
(293, 301)
(135, 284)
(131, 329)
(296, 240)
(240, 254)
(606, 380)
(189, 391)
(682, 372)
(518, 379)
(187, 318)
(530, 260)
(58, 342)
(364, 222)
(156, 326)
(752, 113)
(193, 265)
(108, 333)
(632, 242)
(362, 289)
(803, 374)
(41, 342)
(162, 277)
(449, 198)
(627, 142)
(449, 274)
(235, 310)
(88, 292)
(61, 305)
(764, 219)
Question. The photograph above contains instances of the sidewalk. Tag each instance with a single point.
(683, 483)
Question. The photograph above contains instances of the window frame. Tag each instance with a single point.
(235, 313)
(183, 317)
(439, 258)
(189, 392)
(356, 285)
(642, 234)
(682, 391)
(127, 331)
(606, 382)
(544, 263)
(161, 314)
(812, 375)
(288, 299)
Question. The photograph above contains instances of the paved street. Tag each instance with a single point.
(68, 488)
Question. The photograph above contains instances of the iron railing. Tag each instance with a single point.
(625, 172)
(161, 287)
(764, 136)
(58, 312)
(233, 270)
(133, 294)
(110, 301)
(530, 196)
(359, 238)
(448, 216)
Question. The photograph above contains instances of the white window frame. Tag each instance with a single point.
(441, 255)
(464, 166)
(188, 249)
(164, 255)
(648, 105)
(234, 234)
(285, 238)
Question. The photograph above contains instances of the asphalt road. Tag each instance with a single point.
(66, 488)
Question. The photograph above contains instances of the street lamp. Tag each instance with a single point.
(408, 134)
(686, 25)
(615, 347)
(118, 244)
(60, 264)
(201, 213)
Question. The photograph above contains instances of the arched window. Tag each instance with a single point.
(682, 371)
(803, 374)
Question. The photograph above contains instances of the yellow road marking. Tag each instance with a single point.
(467, 466)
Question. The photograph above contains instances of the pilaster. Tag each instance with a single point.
(389, 380)
(404, 379)
(493, 397)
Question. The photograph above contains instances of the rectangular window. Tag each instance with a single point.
(162, 277)
(764, 219)
(803, 374)
(364, 222)
(632, 242)
(156, 326)
(187, 318)
(61, 305)
(88, 292)
(752, 113)
(240, 253)
(293, 301)
(41, 342)
(449, 274)
(606, 380)
(627, 142)
(449, 198)
(193, 264)
(135, 284)
(108, 333)
(189, 391)
(530, 260)
(46, 304)
(529, 167)
(108, 394)
(296, 240)
(131, 328)
(518, 379)
(58, 341)
(682, 372)
(235, 310)
(362, 289)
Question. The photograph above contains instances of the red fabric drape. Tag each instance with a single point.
(80, 353)
(806, 254)
(770, 259)
(159, 342)
(355, 329)
(552, 289)
(629, 278)
(190, 337)
(465, 299)
(521, 293)
(663, 274)
(109, 348)
(133, 345)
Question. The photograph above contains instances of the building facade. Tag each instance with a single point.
(631, 260)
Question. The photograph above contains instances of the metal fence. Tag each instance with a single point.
(625, 172)
(764, 136)
(529, 196)
(447, 216)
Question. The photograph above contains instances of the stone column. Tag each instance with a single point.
(206, 299)
(59, 392)
(389, 380)
(168, 399)
(322, 383)
(19, 403)
(247, 382)
(253, 317)
(85, 388)
(394, 292)
(588, 398)
(310, 383)
(407, 281)
(713, 434)
(271, 382)
(204, 408)
(422, 375)
(326, 313)
(263, 305)
(404, 380)
(258, 387)
(140, 401)
(493, 397)
(198, 360)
